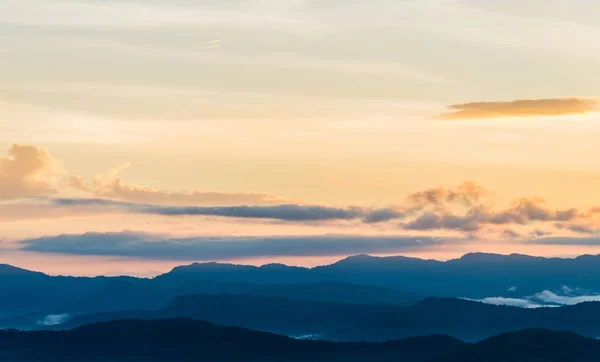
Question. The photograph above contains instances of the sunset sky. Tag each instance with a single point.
(136, 135)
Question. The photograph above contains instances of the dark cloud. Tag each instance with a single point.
(464, 208)
(537, 233)
(280, 212)
(509, 233)
(578, 228)
(143, 245)
(524, 211)
(443, 220)
(584, 241)
(425, 211)
(521, 108)
(276, 212)
(383, 215)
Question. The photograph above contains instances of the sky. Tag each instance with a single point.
(136, 135)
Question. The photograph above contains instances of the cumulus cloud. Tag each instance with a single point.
(112, 185)
(532, 209)
(143, 245)
(79, 183)
(521, 108)
(467, 194)
(26, 172)
(436, 208)
(523, 211)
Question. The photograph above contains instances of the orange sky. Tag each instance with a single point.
(155, 106)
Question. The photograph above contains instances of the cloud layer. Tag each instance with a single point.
(546, 298)
(460, 209)
(143, 245)
(289, 212)
(467, 208)
(524, 211)
(521, 108)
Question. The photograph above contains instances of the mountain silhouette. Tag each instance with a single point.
(25, 291)
(359, 279)
(180, 340)
(463, 319)
(475, 275)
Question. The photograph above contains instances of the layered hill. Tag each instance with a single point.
(181, 340)
(463, 319)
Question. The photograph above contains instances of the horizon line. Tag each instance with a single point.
(225, 263)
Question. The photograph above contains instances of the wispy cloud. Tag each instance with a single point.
(512, 302)
(521, 108)
(112, 185)
(566, 241)
(579, 228)
(99, 45)
(546, 298)
(213, 44)
(552, 298)
(54, 319)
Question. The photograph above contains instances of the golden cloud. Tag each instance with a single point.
(467, 194)
(521, 108)
(26, 172)
(111, 185)
(29, 171)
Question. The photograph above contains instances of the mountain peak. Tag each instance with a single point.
(495, 257)
(209, 266)
(279, 266)
(362, 258)
(9, 270)
(479, 256)
(358, 258)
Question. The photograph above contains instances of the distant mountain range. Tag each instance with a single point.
(182, 340)
(396, 281)
(466, 320)
(361, 298)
